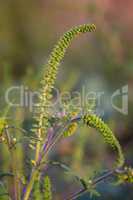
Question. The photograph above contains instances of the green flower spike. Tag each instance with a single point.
(48, 81)
(95, 122)
(52, 68)
(47, 189)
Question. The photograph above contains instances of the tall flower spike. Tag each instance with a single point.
(47, 188)
(95, 122)
(50, 77)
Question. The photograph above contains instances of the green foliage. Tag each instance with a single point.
(2, 125)
(109, 137)
(3, 192)
(93, 192)
(125, 176)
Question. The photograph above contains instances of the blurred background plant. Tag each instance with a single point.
(100, 62)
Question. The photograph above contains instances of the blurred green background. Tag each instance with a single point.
(101, 61)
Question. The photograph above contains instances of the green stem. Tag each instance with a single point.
(30, 184)
(16, 186)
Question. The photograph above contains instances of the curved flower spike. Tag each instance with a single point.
(109, 137)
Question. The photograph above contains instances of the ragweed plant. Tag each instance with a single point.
(46, 141)
(48, 82)
(50, 76)
(49, 129)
